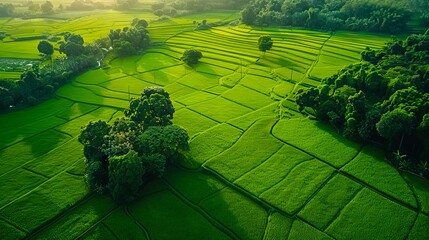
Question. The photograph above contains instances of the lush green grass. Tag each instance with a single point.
(229, 104)
(420, 229)
(44, 202)
(30, 149)
(317, 138)
(298, 186)
(244, 217)
(127, 229)
(421, 188)
(382, 219)
(327, 204)
(303, 231)
(278, 227)
(157, 210)
(272, 171)
(367, 166)
(78, 220)
(209, 144)
(195, 186)
(253, 148)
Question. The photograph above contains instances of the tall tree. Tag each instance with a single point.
(45, 47)
(265, 43)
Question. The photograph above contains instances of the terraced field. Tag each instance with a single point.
(254, 170)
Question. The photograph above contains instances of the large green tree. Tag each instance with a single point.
(45, 47)
(191, 56)
(265, 43)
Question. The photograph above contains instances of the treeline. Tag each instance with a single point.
(331, 15)
(40, 81)
(384, 99)
(6, 10)
(122, 156)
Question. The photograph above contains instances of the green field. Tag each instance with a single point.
(253, 171)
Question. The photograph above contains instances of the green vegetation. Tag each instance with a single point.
(118, 157)
(255, 169)
(355, 15)
(386, 96)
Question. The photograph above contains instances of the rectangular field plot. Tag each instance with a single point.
(278, 227)
(88, 96)
(247, 97)
(371, 167)
(302, 231)
(122, 226)
(210, 143)
(17, 183)
(74, 126)
(353, 224)
(318, 139)
(258, 83)
(421, 188)
(420, 230)
(194, 98)
(45, 202)
(29, 149)
(57, 159)
(195, 186)
(253, 148)
(245, 121)
(193, 122)
(327, 204)
(298, 186)
(198, 80)
(82, 217)
(272, 171)
(152, 61)
(10, 232)
(221, 109)
(42, 118)
(244, 217)
(155, 211)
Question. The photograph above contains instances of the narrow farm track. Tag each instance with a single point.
(244, 174)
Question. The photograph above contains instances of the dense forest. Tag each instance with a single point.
(356, 15)
(384, 98)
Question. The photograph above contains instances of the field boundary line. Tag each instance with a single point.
(17, 227)
(213, 221)
(285, 176)
(34, 159)
(100, 220)
(37, 173)
(383, 194)
(36, 187)
(338, 214)
(54, 219)
(136, 222)
(257, 165)
(412, 225)
(110, 230)
(300, 149)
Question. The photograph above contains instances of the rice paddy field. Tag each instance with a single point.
(256, 169)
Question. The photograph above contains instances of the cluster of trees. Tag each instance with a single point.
(129, 40)
(384, 99)
(356, 15)
(122, 156)
(6, 10)
(39, 81)
(85, 5)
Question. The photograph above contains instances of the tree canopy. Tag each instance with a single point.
(384, 98)
(357, 15)
(120, 156)
(191, 56)
(45, 47)
(265, 43)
